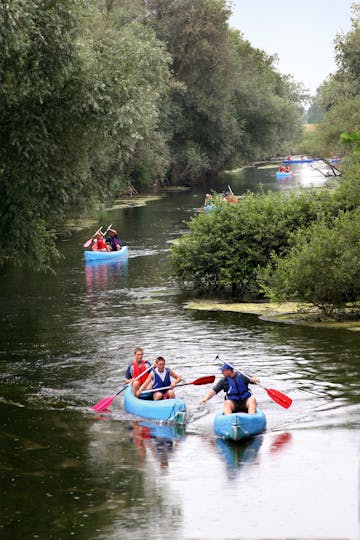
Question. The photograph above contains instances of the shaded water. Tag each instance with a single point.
(65, 343)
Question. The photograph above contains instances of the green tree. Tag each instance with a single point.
(200, 122)
(226, 248)
(43, 124)
(322, 267)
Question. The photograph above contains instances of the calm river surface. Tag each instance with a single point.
(65, 343)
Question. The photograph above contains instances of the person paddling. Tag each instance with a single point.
(113, 242)
(135, 369)
(236, 386)
(160, 378)
(99, 242)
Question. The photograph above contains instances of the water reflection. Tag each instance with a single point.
(280, 442)
(104, 275)
(160, 440)
(238, 454)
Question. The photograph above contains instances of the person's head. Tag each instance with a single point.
(139, 353)
(112, 232)
(227, 369)
(160, 363)
(98, 235)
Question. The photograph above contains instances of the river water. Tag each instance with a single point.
(66, 340)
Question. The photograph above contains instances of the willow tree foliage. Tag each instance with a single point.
(200, 120)
(44, 107)
(77, 97)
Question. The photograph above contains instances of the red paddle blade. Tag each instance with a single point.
(204, 380)
(87, 243)
(104, 404)
(279, 398)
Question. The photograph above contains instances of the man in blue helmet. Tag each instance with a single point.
(236, 386)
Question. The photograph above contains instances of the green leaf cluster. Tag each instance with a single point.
(226, 248)
(322, 267)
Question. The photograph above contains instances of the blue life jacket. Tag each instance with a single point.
(158, 383)
(237, 388)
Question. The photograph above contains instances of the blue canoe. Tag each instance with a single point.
(106, 255)
(164, 410)
(209, 207)
(305, 160)
(280, 174)
(238, 426)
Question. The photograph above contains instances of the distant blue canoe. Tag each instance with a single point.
(106, 255)
(280, 174)
(305, 160)
(164, 410)
(238, 426)
(209, 207)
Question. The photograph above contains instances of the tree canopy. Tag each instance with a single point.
(102, 94)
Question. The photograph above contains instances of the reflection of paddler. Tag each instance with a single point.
(141, 433)
(238, 453)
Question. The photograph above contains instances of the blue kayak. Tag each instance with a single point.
(281, 174)
(305, 160)
(164, 410)
(106, 255)
(238, 426)
(209, 207)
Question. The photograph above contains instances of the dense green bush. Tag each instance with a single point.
(225, 248)
(322, 267)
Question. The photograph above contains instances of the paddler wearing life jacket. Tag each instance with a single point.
(136, 368)
(236, 386)
(160, 378)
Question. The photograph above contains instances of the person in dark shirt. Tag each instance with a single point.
(113, 242)
(236, 386)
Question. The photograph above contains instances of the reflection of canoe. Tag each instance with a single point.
(239, 426)
(280, 174)
(238, 453)
(106, 255)
(164, 431)
(165, 410)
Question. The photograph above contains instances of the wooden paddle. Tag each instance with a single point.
(107, 401)
(279, 398)
(202, 380)
(88, 242)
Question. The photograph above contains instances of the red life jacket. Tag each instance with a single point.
(140, 369)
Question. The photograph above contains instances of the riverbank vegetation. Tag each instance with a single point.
(101, 96)
(301, 247)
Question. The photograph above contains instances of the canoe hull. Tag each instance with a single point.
(239, 426)
(305, 160)
(165, 410)
(103, 256)
(281, 174)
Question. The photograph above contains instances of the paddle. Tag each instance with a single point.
(202, 380)
(88, 242)
(279, 398)
(107, 401)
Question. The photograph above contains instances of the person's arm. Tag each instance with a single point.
(177, 378)
(148, 380)
(208, 396)
(220, 385)
(128, 375)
